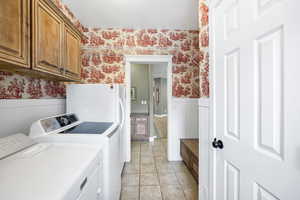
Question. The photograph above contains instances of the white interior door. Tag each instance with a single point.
(256, 104)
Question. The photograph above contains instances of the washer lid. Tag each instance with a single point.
(89, 128)
(55, 173)
(14, 143)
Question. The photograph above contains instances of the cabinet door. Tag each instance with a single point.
(14, 32)
(72, 58)
(47, 36)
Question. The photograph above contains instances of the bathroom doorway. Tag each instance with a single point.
(148, 94)
(149, 83)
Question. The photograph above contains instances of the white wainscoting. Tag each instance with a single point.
(184, 123)
(16, 116)
(204, 146)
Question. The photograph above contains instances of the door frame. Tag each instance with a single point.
(147, 59)
(212, 133)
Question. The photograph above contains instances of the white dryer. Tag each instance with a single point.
(48, 171)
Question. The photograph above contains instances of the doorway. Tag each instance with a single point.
(148, 94)
(139, 103)
(151, 171)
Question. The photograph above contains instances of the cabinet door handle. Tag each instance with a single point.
(62, 71)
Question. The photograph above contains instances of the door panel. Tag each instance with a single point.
(262, 194)
(255, 106)
(14, 34)
(268, 74)
(232, 181)
(72, 50)
(232, 93)
(48, 39)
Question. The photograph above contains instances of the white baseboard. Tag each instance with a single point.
(204, 146)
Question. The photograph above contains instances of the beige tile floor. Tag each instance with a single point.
(149, 176)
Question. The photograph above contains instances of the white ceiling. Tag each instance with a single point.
(164, 14)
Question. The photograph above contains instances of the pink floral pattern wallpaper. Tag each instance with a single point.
(104, 49)
(204, 48)
(15, 86)
(103, 59)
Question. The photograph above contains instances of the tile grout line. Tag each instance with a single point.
(181, 186)
(145, 148)
(155, 166)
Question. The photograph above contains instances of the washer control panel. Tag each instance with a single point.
(54, 123)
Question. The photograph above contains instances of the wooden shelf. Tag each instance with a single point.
(189, 151)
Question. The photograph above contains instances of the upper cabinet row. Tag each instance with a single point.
(34, 34)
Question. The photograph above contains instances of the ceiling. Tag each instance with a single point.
(161, 14)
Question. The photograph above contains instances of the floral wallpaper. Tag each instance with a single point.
(204, 48)
(15, 86)
(104, 49)
(103, 59)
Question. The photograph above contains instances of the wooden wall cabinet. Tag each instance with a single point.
(56, 42)
(36, 34)
(72, 59)
(15, 33)
(47, 39)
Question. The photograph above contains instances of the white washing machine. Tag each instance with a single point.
(48, 171)
(67, 128)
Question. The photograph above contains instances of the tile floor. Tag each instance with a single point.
(149, 176)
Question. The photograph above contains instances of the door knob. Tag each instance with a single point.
(217, 144)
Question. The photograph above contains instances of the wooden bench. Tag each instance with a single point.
(189, 152)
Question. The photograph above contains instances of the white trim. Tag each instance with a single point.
(204, 102)
(148, 59)
(212, 134)
(151, 106)
(204, 147)
(22, 103)
(210, 104)
(184, 100)
(214, 3)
